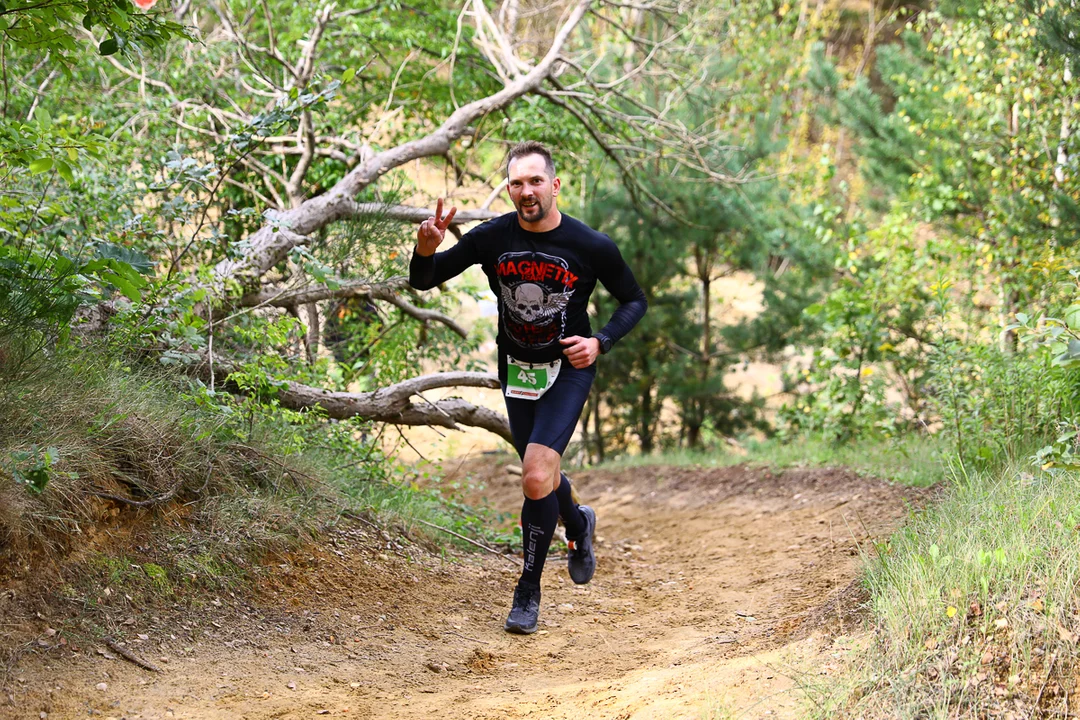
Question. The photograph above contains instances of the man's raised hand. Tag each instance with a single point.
(431, 232)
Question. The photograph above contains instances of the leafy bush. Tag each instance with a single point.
(998, 405)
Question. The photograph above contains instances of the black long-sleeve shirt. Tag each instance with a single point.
(542, 281)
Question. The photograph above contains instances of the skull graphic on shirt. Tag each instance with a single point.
(535, 289)
(531, 304)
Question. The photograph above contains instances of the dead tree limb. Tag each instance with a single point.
(130, 656)
(272, 242)
(394, 404)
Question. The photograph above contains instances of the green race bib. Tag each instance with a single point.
(529, 381)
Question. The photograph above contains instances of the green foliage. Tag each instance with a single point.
(158, 576)
(873, 334)
(989, 570)
(32, 467)
(52, 27)
(683, 348)
(960, 228)
(907, 459)
(41, 289)
(997, 405)
(666, 358)
(50, 31)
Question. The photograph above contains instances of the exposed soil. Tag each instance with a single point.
(719, 590)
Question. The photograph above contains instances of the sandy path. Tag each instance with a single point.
(719, 593)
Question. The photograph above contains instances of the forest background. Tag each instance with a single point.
(207, 210)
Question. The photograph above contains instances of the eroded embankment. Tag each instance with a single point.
(718, 590)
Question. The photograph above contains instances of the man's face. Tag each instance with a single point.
(532, 190)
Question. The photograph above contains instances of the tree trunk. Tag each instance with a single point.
(597, 431)
(586, 413)
(312, 345)
(695, 416)
(693, 431)
(645, 421)
(1010, 301)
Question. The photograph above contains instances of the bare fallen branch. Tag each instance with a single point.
(393, 404)
(406, 213)
(283, 297)
(459, 536)
(130, 656)
(268, 246)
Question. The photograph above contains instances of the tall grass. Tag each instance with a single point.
(99, 437)
(85, 438)
(974, 600)
(910, 459)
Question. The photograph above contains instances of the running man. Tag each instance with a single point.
(542, 266)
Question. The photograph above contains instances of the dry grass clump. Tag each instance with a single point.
(82, 440)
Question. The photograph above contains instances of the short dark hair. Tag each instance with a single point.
(531, 147)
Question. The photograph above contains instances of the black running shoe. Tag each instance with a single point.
(526, 609)
(581, 560)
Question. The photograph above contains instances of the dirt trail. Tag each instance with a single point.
(718, 591)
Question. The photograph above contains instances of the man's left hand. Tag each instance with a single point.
(581, 351)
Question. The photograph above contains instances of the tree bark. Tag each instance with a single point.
(394, 404)
(645, 423)
(312, 312)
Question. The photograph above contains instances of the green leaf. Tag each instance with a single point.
(108, 46)
(127, 256)
(43, 118)
(119, 19)
(65, 171)
(348, 75)
(1070, 357)
(63, 266)
(123, 285)
(41, 165)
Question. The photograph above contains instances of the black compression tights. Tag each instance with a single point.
(549, 421)
(568, 509)
(538, 519)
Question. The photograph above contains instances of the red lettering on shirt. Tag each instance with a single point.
(537, 272)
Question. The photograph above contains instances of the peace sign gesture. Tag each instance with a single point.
(432, 231)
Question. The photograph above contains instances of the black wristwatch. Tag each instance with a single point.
(605, 343)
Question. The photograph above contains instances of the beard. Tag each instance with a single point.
(534, 213)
